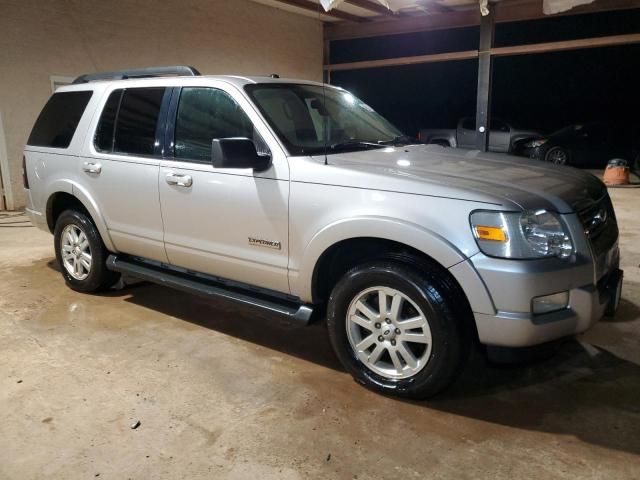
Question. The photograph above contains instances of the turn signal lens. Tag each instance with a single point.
(496, 234)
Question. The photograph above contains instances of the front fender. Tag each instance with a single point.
(416, 236)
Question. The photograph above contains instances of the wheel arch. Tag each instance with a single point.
(347, 254)
(59, 201)
(374, 235)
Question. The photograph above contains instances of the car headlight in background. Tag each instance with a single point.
(536, 143)
(523, 235)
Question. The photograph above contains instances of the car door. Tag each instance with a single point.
(227, 222)
(499, 136)
(466, 133)
(120, 169)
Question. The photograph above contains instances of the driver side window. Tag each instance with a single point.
(499, 126)
(205, 114)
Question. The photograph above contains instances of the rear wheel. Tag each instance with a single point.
(394, 329)
(81, 253)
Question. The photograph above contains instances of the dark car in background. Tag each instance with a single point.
(503, 137)
(586, 145)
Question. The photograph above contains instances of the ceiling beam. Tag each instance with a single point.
(407, 24)
(432, 6)
(533, 48)
(394, 62)
(506, 11)
(372, 6)
(315, 7)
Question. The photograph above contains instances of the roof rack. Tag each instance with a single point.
(178, 70)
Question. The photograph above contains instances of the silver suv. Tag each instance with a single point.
(294, 196)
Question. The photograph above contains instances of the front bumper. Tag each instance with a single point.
(534, 153)
(591, 278)
(587, 305)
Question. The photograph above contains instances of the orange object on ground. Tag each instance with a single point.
(616, 175)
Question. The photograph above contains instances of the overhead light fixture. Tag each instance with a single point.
(329, 4)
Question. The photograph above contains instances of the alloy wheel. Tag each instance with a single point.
(76, 252)
(557, 155)
(388, 332)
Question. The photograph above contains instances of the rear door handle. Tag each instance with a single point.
(94, 168)
(179, 180)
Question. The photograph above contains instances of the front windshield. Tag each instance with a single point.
(310, 119)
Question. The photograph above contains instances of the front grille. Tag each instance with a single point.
(599, 221)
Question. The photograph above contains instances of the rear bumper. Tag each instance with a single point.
(37, 218)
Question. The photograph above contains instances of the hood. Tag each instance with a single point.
(468, 175)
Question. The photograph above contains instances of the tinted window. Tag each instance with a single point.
(204, 114)
(104, 132)
(59, 119)
(137, 120)
(499, 126)
(469, 123)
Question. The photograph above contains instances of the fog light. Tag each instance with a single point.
(550, 303)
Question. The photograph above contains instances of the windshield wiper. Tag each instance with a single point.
(354, 143)
(399, 141)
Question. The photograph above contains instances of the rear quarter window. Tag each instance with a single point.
(59, 119)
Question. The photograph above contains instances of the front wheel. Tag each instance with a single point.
(394, 329)
(557, 155)
(81, 253)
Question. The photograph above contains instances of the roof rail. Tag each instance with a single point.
(178, 70)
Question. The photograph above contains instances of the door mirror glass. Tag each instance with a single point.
(237, 153)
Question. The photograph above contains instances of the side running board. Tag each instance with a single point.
(209, 287)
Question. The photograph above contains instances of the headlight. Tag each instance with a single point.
(536, 143)
(527, 234)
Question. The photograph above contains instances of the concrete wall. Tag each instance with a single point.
(39, 39)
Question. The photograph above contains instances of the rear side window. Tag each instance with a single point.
(137, 120)
(59, 119)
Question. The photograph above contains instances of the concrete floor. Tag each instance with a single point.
(224, 393)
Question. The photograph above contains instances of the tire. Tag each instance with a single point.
(426, 295)
(75, 237)
(557, 155)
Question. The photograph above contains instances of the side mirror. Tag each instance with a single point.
(237, 153)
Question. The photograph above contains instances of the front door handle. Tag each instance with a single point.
(93, 168)
(179, 180)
